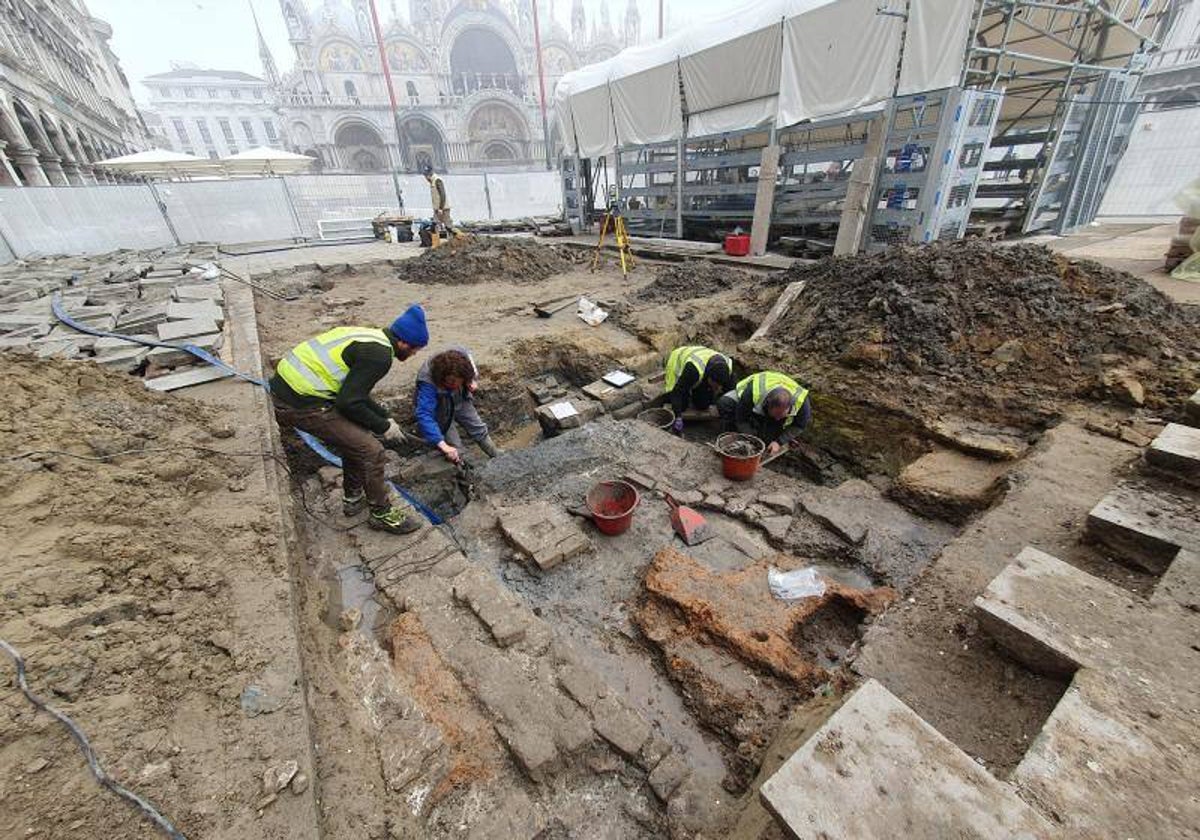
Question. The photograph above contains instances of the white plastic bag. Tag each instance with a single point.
(796, 584)
(590, 312)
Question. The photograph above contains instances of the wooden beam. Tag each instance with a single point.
(860, 193)
(764, 200)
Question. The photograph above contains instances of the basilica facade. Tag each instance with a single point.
(464, 75)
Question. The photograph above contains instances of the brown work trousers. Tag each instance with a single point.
(361, 452)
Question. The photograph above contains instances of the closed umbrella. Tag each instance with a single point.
(162, 163)
(262, 160)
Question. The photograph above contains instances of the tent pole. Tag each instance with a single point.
(537, 46)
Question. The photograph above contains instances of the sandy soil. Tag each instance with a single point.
(147, 592)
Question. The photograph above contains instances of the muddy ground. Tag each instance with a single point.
(456, 688)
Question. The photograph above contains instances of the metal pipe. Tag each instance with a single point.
(387, 75)
(1045, 60)
(537, 45)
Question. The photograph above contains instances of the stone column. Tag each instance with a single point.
(52, 164)
(70, 168)
(21, 152)
(8, 175)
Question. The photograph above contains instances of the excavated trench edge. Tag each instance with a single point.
(247, 356)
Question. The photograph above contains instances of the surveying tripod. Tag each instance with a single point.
(614, 221)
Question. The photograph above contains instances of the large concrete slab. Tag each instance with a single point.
(1176, 450)
(1145, 525)
(1120, 753)
(875, 769)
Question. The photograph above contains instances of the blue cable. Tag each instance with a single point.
(203, 355)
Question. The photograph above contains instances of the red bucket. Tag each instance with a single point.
(611, 504)
(737, 245)
(740, 455)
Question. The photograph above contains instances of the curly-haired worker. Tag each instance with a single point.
(446, 384)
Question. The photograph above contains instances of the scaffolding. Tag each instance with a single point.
(1028, 139)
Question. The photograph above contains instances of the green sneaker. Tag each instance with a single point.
(394, 520)
(353, 505)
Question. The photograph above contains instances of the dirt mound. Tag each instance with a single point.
(127, 581)
(697, 278)
(982, 314)
(478, 259)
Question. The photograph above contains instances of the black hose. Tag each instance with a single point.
(85, 747)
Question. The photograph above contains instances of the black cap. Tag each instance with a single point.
(717, 371)
(427, 169)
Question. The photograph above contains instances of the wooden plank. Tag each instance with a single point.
(764, 200)
(860, 193)
(782, 305)
(187, 378)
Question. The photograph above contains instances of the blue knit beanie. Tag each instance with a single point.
(410, 327)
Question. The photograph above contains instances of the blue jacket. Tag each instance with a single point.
(426, 411)
(434, 406)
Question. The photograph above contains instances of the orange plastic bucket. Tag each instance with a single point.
(740, 455)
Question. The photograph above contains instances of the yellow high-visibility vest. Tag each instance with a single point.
(681, 357)
(761, 384)
(314, 368)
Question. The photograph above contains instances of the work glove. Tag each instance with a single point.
(489, 447)
(677, 426)
(393, 434)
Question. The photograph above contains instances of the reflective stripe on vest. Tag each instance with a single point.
(315, 368)
(762, 384)
(681, 357)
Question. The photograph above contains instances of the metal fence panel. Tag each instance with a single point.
(518, 194)
(80, 220)
(230, 211)
(327, 198)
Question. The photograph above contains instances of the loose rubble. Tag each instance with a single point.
(164, 295)
(698, 278)
(972, 313)
(476, 259)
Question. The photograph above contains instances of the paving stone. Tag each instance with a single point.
(140, 318)
(583, 684)
(981, 439)
(126, 359)
(190, 310)
(1176, 450)
(57, 350)
(585, 412)
(947, 484)
(1119, 754)
(610, 396)
(176, 330)
(13, 321)
(1145, 526)
(156, 288)
(504, 616)
(630, 411)
(545, 533)
(776, 526)
(666, 778)
(186, 378)
(782, 502)
(875, 766)
(842, 518)
(616, 722)
(174, 356)
(210, 291)
(533, 749)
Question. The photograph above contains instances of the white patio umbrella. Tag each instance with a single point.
(162, 163)
(263, 160)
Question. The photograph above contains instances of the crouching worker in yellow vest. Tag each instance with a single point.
(695, 377)
(769, 406)
(323, 386)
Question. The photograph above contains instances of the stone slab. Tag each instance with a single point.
(1145, 526)
(876, 771)
(1176, 450)
(198, 292)
(948, 484)
(14, 321)
(1007, 613)
(980, 439)
(544, 533)
(173, 356)
(610, 396)
(187, 378)
(1119, 755)
(176, 330)
(189, 310)
(127, 359)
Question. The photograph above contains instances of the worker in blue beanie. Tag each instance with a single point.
(323, 386)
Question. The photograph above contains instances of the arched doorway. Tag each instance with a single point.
(482, 60)
(361, 147)
(499, 151)
(498, 131)
(424, 142)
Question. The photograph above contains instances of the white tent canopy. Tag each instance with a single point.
(780, 61)
(162, 163)
(262, 160)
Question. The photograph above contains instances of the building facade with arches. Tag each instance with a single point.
(464, 75)
(64, 101)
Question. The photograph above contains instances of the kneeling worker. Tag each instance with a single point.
(446, 384)
(695, 377)
(768, 405)
(323, 386)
